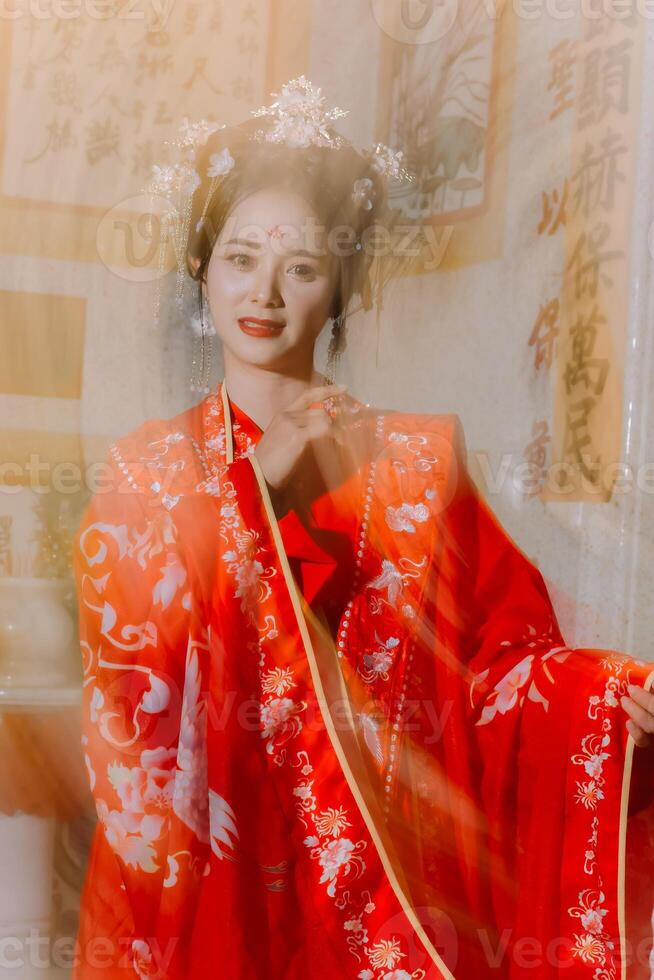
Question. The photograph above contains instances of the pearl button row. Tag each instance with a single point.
(122, 466)
(342, 636)
(200, 455)
(394, 735)
(155, 486)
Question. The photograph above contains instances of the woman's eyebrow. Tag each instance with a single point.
(289, 251)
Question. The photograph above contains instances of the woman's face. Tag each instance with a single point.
(270, 263)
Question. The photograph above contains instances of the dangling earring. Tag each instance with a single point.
(337, 343)
(203, 330)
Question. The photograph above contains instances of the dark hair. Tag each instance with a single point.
(324, 176)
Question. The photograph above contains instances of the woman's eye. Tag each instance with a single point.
(304, 270)
(239, 255)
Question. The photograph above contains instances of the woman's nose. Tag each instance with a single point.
(266, 289)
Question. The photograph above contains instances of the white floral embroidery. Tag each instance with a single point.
(277, 681)
(386, 953)
(594, 945)
(402, 518)
(506, 690)
(377, 663)
(131, 835)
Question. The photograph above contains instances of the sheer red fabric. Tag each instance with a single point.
(437, 787)
(321, 544)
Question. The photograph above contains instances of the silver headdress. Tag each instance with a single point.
(298, 119)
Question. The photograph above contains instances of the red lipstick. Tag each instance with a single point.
(255, 326)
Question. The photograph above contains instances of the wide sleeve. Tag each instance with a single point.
(134, 608)
(559, 774)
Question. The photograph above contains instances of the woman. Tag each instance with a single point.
(332, 727)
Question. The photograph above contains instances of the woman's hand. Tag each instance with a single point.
(290, 433)
(640, 708)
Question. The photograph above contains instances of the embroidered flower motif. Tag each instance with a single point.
(303, 791)
(589, 794)
(401, 518)
(229, 514)
(275, 714)
(280, 722)
(247, 576)
(378, 662)
(588, 948)
(386, 953)
(332, 821)
(277, 681)
(593, 766)
(131, 835)
(506, 690)
(151, 782)
(353, 925)
(594, 945)
(592, 921)
(592, 757)
(333, 856)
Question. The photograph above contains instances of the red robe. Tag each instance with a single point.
(439, 787)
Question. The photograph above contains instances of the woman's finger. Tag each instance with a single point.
(642, 697)
(643, 719)
(311, 416)
(317, 394)
(638, 735)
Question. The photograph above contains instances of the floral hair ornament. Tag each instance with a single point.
(174, 186)
(298, 119)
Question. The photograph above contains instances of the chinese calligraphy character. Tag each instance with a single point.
(605, 83)
(577, 438)
(544, 333)
(579, 369)
(60, 137)
(102, 141)
(597, 175)
(554, 213)
(562, 79)
(536, 456)
(587, 271)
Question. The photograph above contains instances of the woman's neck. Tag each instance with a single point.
(261, 393)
